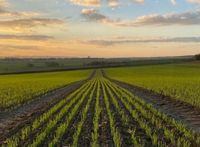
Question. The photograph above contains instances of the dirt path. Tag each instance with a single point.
(181, 111)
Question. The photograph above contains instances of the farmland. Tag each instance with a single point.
(99, 73)
(100, 112)
(179, 81)
(18, 89)
(28, 65)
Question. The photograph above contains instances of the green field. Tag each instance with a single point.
(180, 81)
(15, 65)
(23, 65)
(17, 89)
(100, 113)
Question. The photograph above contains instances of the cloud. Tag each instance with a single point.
(173, 2)
(113, 3)
(97, 3)
(27, 37)
(156, 40)
(194, 1)
(4, 12)
(116, 3)
(187, 18)
(29, 23)
(18, 47)
(94, 3)
(94, 16)
(88, 11)
(138, 1)
(3, 3)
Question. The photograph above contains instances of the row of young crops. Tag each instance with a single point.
(179, 81)
(19, 89)
(101, 113)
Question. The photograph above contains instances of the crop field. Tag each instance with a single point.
(100, 73)
(181, 81)
(18, 89)
(100, 113)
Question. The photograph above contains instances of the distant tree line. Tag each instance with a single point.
(47, 64)
(30, 65)
(197, 57)
(52, 64)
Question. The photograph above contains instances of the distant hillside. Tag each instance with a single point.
(21, 65)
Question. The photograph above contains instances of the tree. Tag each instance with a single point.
(197, 57)
(52, 64)
(30, 65)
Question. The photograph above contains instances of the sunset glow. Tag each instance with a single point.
(112, 28)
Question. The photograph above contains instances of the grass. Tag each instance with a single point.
(18, 89)
(180, 81)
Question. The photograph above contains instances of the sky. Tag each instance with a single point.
(99, 28)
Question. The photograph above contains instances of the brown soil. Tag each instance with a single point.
(132, 124)
(105, 138)
(11, 121)
(14, 119)
(86, 133)
(180, 111)
(67, 139)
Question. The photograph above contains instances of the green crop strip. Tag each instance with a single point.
(83, 117)
(180, 81)
(61, 129)
(24, 133)
(156, 114)
(16, 90)
(141, 122)
(126, 119)
(140, 111)
(94, 142)
(114, 131)
(40, 137)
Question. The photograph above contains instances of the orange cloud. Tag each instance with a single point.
(97, 3)
(94, 3)
(76, 49)
(26, 37)
(194, 1)
(28, 24)
(4, 12)
(3, 3)
(110, 42)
